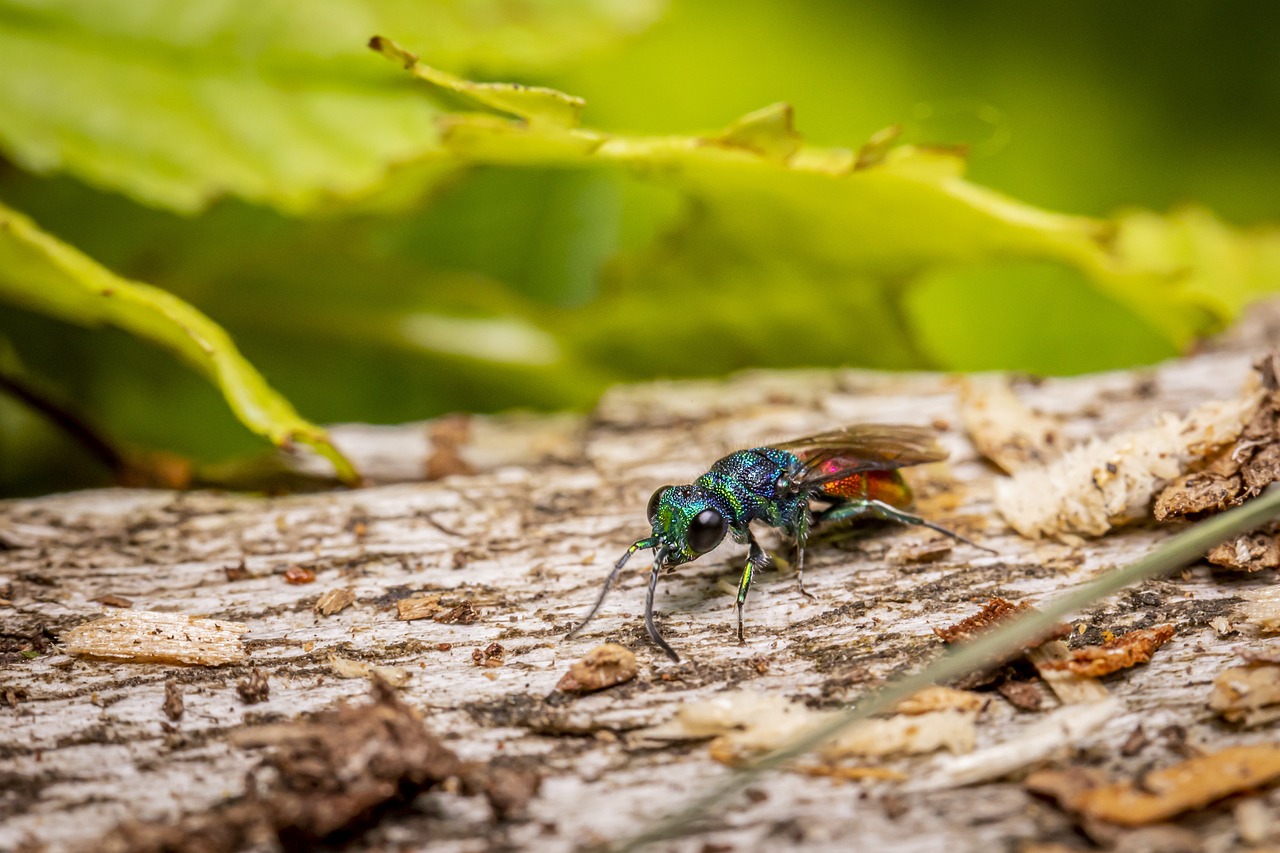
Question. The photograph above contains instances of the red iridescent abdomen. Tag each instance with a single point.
(886, 486)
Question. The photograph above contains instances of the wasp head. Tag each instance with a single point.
(686, 521)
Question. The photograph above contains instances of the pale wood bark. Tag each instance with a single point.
(89, 744)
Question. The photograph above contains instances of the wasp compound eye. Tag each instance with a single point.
(654, 500)
(706, 530)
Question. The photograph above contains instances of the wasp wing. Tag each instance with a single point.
(833, 455)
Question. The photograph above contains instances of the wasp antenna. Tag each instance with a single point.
(608, 583)
(648, 608)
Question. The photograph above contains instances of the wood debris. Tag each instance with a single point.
(1115, 654)
(1242, 470)
(173, 706)
(996, 611)
(113, 600)
(1248, 695)
(1162, 794)
(334, 774)
(1251, 552)
(255, 688)
(430, 607)
(939, 698)
(299, 575)
(604, 666)
(493, 655)
(463, 614)
(395, 676)
(144, 636)
(418, 607)
(1023, 695)
(1071, 688)
(1256, 822)
(1106, 483)
(1261, 610)
(1056, 733)
(334, 601)
(1003, 428)
(746, 723)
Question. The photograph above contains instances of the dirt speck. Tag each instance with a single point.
(492, 655)
(173, 704)
(255, 688)
(299, 575)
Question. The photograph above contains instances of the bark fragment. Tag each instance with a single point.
(1249, 695)
(335, 773)
(334, 601)
(144, 636)
(1115, 654)
(1161, 794)
(604, 666)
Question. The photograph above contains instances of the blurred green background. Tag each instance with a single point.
(255, 159)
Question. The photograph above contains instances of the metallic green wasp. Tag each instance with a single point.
(834, 476)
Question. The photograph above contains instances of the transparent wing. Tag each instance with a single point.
(835, 454)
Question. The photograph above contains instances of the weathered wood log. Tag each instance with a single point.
(86, 743)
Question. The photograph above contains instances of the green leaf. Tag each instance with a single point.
(892, 216)
(534, 103)
(274, 101)
(40, 273)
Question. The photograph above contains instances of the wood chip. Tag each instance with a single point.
(1251, 552)
(345, 668)
(1118, 653)
(1248, 695)
(418, 607)
(334, 601)
(996, 611)
(604, 666)
(144, 636)
(1004, 429)
(1071, 688)
(1193, 784)
(463, 614)
(1239, 472)
(113, 600)
(1051, 735)
(1261, 610)
(941, 699)
(1162, 794)
(746, 723)
(299, 575)
(1109, 482)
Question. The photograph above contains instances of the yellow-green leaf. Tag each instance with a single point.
(41, 273)
(273, 101)
(534, 103)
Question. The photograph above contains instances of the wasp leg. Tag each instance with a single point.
(648, 610)
(880, 509)
(756, 559)
(802, 536)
